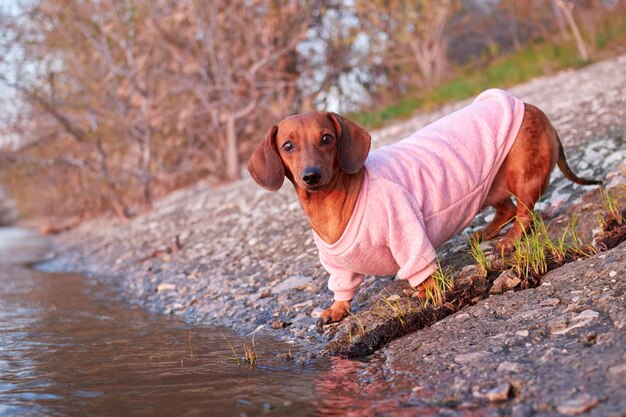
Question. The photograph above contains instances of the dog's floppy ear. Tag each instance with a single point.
(265, 166)
(353, 143)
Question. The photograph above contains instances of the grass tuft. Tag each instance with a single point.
(577, 246)
(535, 248)
(529, 254)
(235, 357)
(611, 206)
(359, 323)
(249, 353)
(396, 308)
(482, 263)
(443, 280)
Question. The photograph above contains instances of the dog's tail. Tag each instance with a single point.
(567, 171)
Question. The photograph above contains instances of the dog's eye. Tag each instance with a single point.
(288, 146)
(327, 139)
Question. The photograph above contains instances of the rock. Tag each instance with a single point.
(279, 324)
(505, 282)
(317, 312)
(577, 405)
(522, 410)
(580, 320)
(591, 157)
(307, 303)
(166, 286)
(499, 393)
(511, 367)
(549, 302)
(522, 333)
(393, 297)
(467, 358)
(461, 316)
(587, 315)
(468, 269)
(618, 369)
(295, 282)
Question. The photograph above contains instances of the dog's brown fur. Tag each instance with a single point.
(336, 149)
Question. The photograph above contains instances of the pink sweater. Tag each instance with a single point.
(420, 192)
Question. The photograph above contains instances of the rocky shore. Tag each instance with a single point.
(244, 258)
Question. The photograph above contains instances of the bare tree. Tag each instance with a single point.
(133, 98)
(567, 7)
(87, 89)
(409, 33)
(232, 58)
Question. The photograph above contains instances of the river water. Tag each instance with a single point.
(70, 346)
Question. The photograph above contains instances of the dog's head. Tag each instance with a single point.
(309, 149)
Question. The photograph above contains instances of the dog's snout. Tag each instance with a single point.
(312, 175)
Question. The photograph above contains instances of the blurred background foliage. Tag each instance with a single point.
(108, 105)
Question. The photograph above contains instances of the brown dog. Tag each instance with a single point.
(323, 155)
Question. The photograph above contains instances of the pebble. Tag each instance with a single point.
(522, 333)
(587, 315)
(618, 369)
(467, 358)
(166, 286)
(296, 282)
(511, 367)
(307, 303)
(522, 410)
(550, 302)
(279, 324)
(461, 316)
(506, 281)
(499, 393)
(580, 320)
(577, 405)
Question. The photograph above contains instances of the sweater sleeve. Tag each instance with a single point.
(342, 283)
(408, 241)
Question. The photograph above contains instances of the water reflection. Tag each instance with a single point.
(68, 346)
(352, 388)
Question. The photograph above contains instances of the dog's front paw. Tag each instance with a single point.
(337, 311)
(426, 287)
(505, 246)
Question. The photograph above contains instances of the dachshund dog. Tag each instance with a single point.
(384, 212)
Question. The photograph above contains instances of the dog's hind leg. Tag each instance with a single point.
(521, 223)
(527, 169)
(505, 211)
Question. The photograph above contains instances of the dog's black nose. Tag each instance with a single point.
(312, 175)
